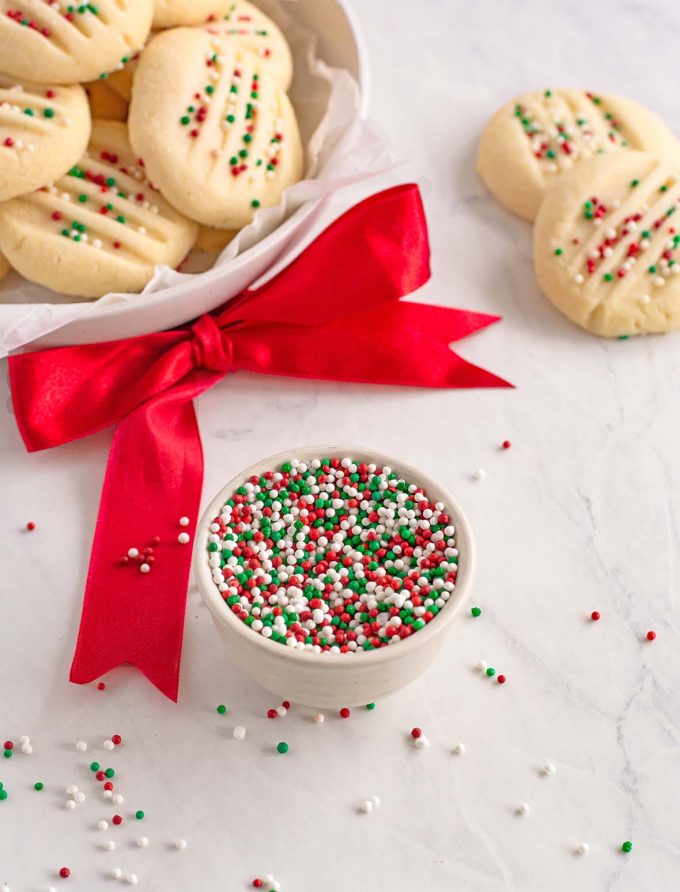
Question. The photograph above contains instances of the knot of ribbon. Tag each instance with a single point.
(315, 319)
(212, 348)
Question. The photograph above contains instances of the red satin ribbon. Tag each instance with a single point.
(334, 313)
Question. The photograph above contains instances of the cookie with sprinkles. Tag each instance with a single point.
(224, 140)
(43, 131)
(55, 41)
(607, 245)
(333, 556)
(538, 136)
(250, 29)
(102, 227)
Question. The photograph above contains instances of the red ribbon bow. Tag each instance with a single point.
(334, 313)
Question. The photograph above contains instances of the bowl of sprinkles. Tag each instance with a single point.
(333, 573)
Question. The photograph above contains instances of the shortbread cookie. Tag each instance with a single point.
(607, 244)
(100, 228)
(55, 41)
(4, 267)
(538, 136)
(43, 131)
(213, 240)
(224, 140)
(171, 13)
(251, 29)
(105, 102)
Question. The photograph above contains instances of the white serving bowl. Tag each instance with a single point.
(326, 680)
(341, 45)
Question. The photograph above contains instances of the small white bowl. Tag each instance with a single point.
(328, 680)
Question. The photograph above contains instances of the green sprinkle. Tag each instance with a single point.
(82, 199)
(623, 337)
(222, 709)
(491, 672)
(8, 754)
(282, 747)
(255, 204)
(3, 795)
(29, 112)
(48, 112)
(558, 252)
(627, 846)
(231, 118)
(110, 773)
(607, 277)
(139, 815)
(39, 786)
(213, 546)
(210, 89)
(547, 93)
(95, 766)
(185, 119)
(663, 188)
(370, 706)
(476, 611)
(634, 183)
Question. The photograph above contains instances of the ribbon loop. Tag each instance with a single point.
(212, 348)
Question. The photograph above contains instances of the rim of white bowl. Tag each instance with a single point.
(464, 542)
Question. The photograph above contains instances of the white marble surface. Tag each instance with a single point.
(581, 514)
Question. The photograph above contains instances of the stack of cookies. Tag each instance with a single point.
(134, 130)
(600, 177)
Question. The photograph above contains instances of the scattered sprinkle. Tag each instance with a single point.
(627, 846)
(549, 768)
(582, 848)
(239, 732)
(222, 709)
(651, 635)
(476, 611)
(282, 747)
(459, 749)
(523, 808)
(595, 615)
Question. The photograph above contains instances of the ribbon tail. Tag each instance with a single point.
(154, 477)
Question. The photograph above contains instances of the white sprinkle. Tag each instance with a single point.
(71, 790)
(116, 873)
(183, 538)
(109, 845)
(659, 281)
(319, 718)
(24, 739)
(108, 745)
(81, 746)
(132, 879)
(71, 804)
(144, 568)
(459, 749)
(523, 808)
(420, 742)
(281, 711)
(366, 806)
(184, 521)
(582, 848)
(4, 888)
(645, 298)
(549, 768)
(143, 842)
(103, 825)
(80, 797)
(375, 800)
(181, 844)
(118, 799)
(239, 732)
(26, 748)
(578, 278)
(479, 474)
(482, 666)
(133, 552)
(108, 794)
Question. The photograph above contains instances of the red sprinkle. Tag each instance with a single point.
(595, 616)
(101, 686)
(416, 733)
(506, 444)
(64, 873)
(108, 785)
(9, 745)
(651, 636)
(117, 739)
(116, 819)
(30, 526)
(344, 713)
(257, 883)
(501, 679)
(9, 142)
(286, 704)
(100, 775)
(272, 713)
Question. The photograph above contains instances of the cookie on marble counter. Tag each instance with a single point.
(54, 41)
(538, 136)
(100, 228)
(43, 131)
(224, 140)
(607, 244)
